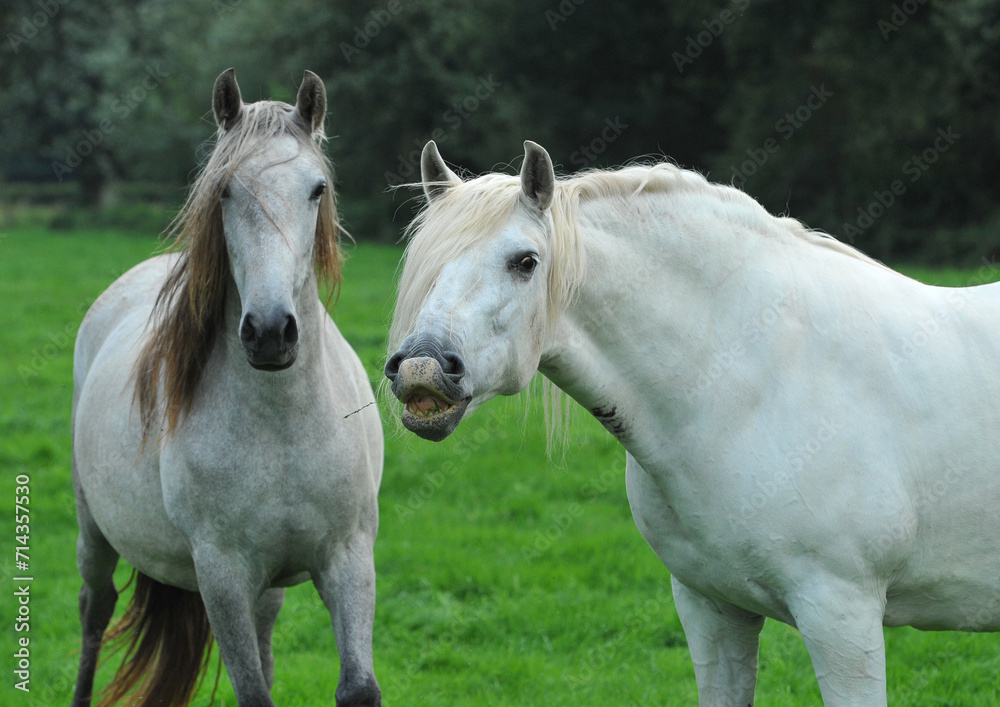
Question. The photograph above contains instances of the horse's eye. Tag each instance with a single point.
(524, 264)
(225, 192)
(318, 191)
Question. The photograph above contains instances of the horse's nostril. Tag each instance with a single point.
(290, 336)
(392, 365)
(248, 332)
(452, 365)
(269, 336)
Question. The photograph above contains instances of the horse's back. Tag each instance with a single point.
(130, 298)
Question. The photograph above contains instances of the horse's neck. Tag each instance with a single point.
(662, 297)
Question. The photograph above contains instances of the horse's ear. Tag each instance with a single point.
(310, 105)
(434, 173)
(227, 104)
(538, 178)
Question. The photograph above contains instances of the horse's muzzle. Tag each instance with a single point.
(432, 394)
(270, 342)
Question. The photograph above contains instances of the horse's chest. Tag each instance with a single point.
(290, 478)
(696, 544)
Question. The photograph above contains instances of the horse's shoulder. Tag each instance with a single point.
(127, 302)
(139, 284)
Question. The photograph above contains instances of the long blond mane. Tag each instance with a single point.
(187, 316)
(467, 215)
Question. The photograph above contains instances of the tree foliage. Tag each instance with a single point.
(877, 122)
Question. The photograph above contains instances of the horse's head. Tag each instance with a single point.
(272, 199)
(473, 310)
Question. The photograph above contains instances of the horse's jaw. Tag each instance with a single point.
(437, 424)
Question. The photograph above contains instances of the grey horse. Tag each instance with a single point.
(221, 439)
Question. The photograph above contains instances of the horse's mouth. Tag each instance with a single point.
(433, 403)
(424, 404)
(431, 415)
(272, 366)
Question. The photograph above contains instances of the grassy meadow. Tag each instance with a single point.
(504, 578)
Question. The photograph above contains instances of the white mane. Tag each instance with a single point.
(470, 213)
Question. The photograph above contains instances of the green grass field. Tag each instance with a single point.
(503, 578)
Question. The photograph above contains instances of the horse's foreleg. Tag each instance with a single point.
(347, 587)
(842, 628)
(723, 641)
(231, 595)
(96, 561)
(264, 617)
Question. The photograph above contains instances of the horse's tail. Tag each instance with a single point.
(167, 641)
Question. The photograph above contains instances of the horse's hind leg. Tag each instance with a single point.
(265, 615)
(723, 642)
(347, 587)
(96, 560)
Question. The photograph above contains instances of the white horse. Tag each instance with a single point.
(215, 443)
(810, 436)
